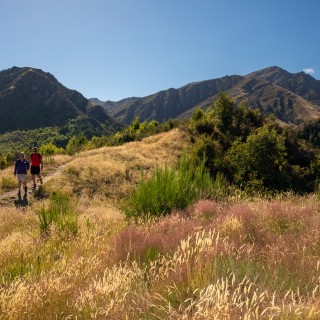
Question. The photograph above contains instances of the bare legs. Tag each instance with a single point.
(34, 179)
(24, 183)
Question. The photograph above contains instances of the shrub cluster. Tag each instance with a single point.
(251, 150)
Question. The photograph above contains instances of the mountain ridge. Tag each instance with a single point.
(31, 98)
(293, 97)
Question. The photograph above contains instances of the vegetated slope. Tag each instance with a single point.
(205, 259)
(31, 98)
(110, 173)
(291, 97)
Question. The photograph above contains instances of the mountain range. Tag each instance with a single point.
(293, 98)
(31, 98)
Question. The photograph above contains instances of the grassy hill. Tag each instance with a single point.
(112, 172)
(240, 258)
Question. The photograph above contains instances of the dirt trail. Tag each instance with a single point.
(10, 198)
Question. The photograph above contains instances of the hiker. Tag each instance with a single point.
(36, 166)
(20, 169)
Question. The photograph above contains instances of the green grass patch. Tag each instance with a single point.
(61, 213)
(170, 188)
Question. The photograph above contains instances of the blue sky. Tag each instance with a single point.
(122, 48)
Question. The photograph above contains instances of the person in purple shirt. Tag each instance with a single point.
(20, 170)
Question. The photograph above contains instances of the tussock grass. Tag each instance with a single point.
(60, 213)
(169, 188)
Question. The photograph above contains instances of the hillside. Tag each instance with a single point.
(291, 97)
(236, 259)
(109, 173)
(31, 98)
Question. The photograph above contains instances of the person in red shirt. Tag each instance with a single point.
(36, 166)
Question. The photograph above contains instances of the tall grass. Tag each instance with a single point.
(211, 261)
(8, 183)
(170, 188)
(60, 213)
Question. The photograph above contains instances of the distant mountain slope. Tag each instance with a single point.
(31, 98)
(299, 83)
(293, 98)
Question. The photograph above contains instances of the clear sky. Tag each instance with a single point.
(114, 49)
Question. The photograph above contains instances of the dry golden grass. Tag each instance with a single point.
(109, 174)
(14, 220)
(242, 260)
(205, 267)
(39, 272)
(8, 181)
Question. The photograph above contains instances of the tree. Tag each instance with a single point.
(76, 143)
(223, 111)
(261, 159)
(211, 151)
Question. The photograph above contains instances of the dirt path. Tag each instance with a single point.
(10, 198)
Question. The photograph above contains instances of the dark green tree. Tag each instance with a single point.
(261, 160)
(223, 111)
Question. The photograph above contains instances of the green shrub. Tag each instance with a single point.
(50, 149)
(221, 186)
(3, 161)
(205, 146)
(76, 144)
(260, 161)
(170, 188)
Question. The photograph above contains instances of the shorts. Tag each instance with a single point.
(22, 177)
(35, 170)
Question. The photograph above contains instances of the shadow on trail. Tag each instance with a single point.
(21, 202)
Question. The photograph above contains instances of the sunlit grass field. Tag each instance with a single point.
(231, 259)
